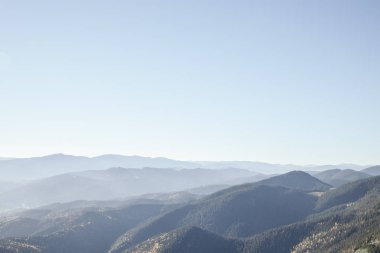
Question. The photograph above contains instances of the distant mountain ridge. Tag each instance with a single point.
(374, 170)
(51, 165)
(338, 177)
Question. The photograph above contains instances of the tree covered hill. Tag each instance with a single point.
(352, 225)
(238, 211)
(188, 240)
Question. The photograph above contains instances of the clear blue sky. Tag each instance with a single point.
(275, 81)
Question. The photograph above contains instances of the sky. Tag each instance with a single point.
(273, 81)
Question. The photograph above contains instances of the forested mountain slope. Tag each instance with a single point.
(352, 225)
(238, 211)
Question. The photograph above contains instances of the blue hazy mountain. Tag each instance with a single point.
(115, 183)
(337, 177)
(374, 170)
(22, 169)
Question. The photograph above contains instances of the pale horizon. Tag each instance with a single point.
(171, 158)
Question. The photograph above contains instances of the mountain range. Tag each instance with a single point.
(22, 169)
(345, 219)
(294, 212)
(177, 209)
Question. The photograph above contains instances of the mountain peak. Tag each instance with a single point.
(298, 180)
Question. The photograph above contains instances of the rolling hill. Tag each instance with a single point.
(338, 177)
(374, 170)
(348, 193)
